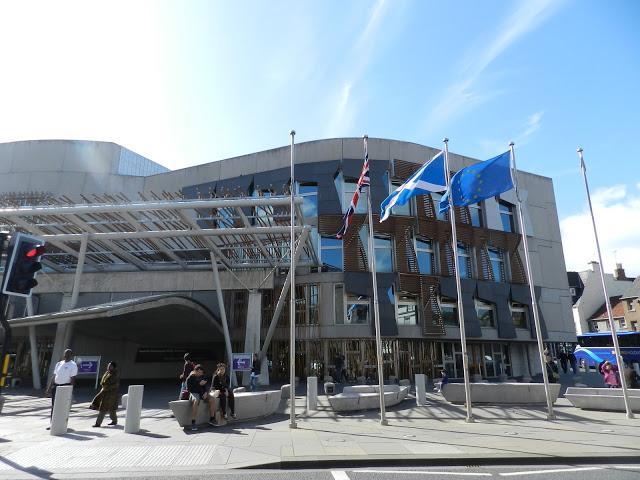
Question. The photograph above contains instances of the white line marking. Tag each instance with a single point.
(340, 475)
(555, 470)
(424, 472)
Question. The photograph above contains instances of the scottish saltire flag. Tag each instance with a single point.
(479, 182)
(429, 178)
(363, 181)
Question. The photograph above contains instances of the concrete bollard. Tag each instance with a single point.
(421, 389)
(125, 399)
(134, 409)
(61, 407)
(312, 393)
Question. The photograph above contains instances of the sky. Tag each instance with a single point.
(190, 82)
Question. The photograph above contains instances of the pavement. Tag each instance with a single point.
(435, 434)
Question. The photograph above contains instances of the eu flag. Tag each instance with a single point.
(478, 182)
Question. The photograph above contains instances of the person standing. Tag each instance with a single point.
(573, 361)
(562, 356)
(255, 372)
(107, 399)
(64, 373)
(338, 363)
(187, 368)
(222, 389)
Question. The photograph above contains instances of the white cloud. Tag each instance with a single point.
(463, 95)
(490, 146)
(615, 211)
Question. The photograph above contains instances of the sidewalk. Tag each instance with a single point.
(431, 434)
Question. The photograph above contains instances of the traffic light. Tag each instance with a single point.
(23, 263)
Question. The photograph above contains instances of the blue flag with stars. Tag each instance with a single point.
(478, 182)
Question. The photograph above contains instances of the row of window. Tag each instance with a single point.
(309, 192)
(355, 310)
(426, 250)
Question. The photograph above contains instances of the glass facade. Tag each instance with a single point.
(497, 264)
(425, 256)
(506, 216)
(331, 254)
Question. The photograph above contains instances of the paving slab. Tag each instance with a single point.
(433, 433)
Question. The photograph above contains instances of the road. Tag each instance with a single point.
(506, 472)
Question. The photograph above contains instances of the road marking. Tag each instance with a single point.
(340, 475)
(424, 472)
(555, 470)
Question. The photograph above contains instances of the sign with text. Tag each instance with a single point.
(242, 361)
(88, 365)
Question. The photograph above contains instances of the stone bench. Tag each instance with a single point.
(501, 393)
(365, 397)
(609, 399)
(248, 405)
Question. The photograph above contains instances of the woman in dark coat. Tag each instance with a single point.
(107, 399)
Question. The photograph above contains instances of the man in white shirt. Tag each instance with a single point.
(64, 373)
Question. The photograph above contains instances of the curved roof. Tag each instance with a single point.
(120, 308)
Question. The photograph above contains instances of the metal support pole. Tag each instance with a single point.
(292, 297)
(75, 292)
(612, 326)
(456, 274)
(35, 364)
(534, 301)
(223, 317)
(376, 306)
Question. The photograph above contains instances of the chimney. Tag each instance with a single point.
(595, 266)
(618, 273)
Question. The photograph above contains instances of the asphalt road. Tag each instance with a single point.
(534, 472)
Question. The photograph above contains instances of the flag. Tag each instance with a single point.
(429, 178)
(363, 181)
(478, 182)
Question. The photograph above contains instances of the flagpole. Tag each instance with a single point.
(454, 240)
(292, 298)
(612, 327)
(376, 307)
(532, 291)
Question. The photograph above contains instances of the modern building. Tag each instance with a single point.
(588, 298)
(131, 250)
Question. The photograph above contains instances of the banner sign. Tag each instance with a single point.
(242, 362)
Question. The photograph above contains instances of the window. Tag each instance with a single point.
(405, 209)
(331, 254)
(436, 204)
(497, 264)
(384, 254)
(338, 303)
(486, 314)
(265, 210)
(309, 194)
(464, 260)
(475, 210)
(313, 304)
(407, 311)
(348, 189)
(424, 254)
(506, 215)
(630, 305)
(449, 311)
(357, 310)
(519, 315)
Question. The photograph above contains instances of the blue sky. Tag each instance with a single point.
(191, 82)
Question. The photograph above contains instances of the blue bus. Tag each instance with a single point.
(595, 348)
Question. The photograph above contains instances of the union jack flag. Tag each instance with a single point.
(363, 181)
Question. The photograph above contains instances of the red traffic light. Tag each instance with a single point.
(35, 252)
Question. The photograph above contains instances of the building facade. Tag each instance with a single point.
(413, 252)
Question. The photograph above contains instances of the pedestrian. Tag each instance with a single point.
(610, 374)
(630, 376)
(198, 392)
(573, 361)
(255, 372)
(562, 356)
(552, 372)
(547, 355)
(187, 368)
(64, 373)
(338, 364)
(107, 399)
(222, 389)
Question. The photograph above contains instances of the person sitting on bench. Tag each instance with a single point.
(197, 386)
(222, 389)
